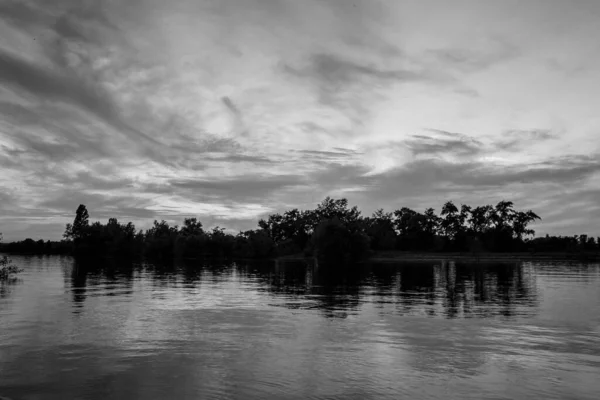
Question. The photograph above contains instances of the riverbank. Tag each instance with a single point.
(396, 256)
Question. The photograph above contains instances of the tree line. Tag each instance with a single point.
(333, 229)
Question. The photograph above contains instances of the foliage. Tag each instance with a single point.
(30, 246)
(78, 228)
(331, 230)
(335, 240)
(7, 268)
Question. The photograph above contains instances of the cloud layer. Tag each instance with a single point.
(233, 109)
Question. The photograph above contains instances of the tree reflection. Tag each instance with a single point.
(445, 289)
(442, 289)
(111, 276)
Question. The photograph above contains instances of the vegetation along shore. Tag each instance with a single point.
(332, 231)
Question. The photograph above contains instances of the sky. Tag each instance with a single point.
(230, 110)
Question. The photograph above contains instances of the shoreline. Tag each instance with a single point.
(396, 256)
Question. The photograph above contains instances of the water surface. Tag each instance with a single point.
(435, 330)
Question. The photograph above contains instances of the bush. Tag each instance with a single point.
(7, 269)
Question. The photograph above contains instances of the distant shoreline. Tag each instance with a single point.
(393, 256)
(401, 256)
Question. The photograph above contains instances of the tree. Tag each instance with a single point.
(479, 220)
(191, 227)
(380, 230)
(431, 223)
(451, 220)
(294, 226)
(331, 208)
(520, 222)
(503, 215)
(78, 228)
(334, 242)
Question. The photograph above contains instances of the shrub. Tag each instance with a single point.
(7, 269)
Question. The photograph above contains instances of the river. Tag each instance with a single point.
(194, 330)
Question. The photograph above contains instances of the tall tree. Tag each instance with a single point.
(451, 220)
(520, 222)
(191, 227)
(432, 222)
(78, 228)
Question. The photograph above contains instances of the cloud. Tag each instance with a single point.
(336, 71)
(519, 138)
(326, 156)
(227, 110)
(231, 106)
(24, 14)
(469, 176)
(548, 186)
(100, 205)
(449, 143)
(483, 54)
(338, 79)
(54, 85)
(243, 188)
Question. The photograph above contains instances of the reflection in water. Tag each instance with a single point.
(78, 284)
(7, 286)
(109, 277)
(267, 330)
(446, 288)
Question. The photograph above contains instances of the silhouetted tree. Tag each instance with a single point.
(332, 229)
(78, 228)
(334, 242)
(191, 227)
(380, 229)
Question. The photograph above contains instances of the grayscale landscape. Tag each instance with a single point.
(309, 199)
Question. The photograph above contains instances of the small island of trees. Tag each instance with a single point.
(331, 231)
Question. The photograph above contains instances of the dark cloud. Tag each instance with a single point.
(7, 200)
(238, 158)
(333, 71)
(473, 175)
(318, 155)
(345, 150)
(205, 143)
(90, 181)
(240, 188)
(336, 176)
(231, 106)
(451, 144)
(64, 150)
(72, 19)
(21, 14)
(348, 86)
(83, 22)
(310, 126)
(324, 153)
(9, 157)
(474, 60)
(62, 137)
(51, 84)
(429, 182)
(518, 139)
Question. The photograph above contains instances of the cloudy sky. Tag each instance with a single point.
(231, 109)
